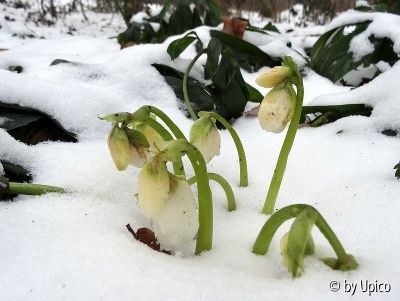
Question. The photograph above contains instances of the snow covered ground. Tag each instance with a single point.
(75, 246)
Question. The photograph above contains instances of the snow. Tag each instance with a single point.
(75, 246)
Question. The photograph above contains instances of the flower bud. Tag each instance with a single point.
(153, 187)
(277, 109)
(205, 136)
(177, 223)
(118, 144)
(298, 242)
(275, 76)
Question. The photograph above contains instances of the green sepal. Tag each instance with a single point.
(136, 138)
(117, 117)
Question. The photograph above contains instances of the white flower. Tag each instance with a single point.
(205, 137)
(153, 187)
(273, 77)
(277, 109)
(118, 144)
(177, 223)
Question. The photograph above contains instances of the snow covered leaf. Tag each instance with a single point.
(32, 126)
(335, 56)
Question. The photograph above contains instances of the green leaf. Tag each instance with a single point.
(271, 27)
(16, 68)
(4, 186)
(61, 61)
(397, 173)
(31, 126)
(176, 47)
(331, 113)
(254, 94)
(230, 92)
(15, 172)
(199, 94)
(214, 50)
(249, 57)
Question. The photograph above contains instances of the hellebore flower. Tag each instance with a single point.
(153, 187)
(205, 137)
(277, 108)
(118, 144)
(177, 223)
(275, 76)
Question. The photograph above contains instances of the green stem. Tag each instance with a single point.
(267, 232)
(32, 189)
(185, 85)
(168, 122)
(244, 182)
(225, 186)
(205, 233)
(179, 169)
(276, 180)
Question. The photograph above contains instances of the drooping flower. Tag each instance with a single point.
(153, 187)
(205, 136)
(177, 223)
(118, 144)
(274, 77)
(277, 108)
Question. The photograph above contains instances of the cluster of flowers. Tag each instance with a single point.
(167, 199)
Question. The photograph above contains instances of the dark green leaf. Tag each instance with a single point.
(254, 94)
(32, 126)
(397, 173)
(4, 186)
(61, 61)
(214, 50)
(271, 27)
(176, 47)
(16, 68)
(331, 113)
(248, 56)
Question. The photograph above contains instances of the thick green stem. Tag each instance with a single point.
(185, 85)
(32, 189)
(205, 233)
(179, 169)
(267, 232)
(276, 180)
(230, 197)
(244, 182)
(168, 122)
